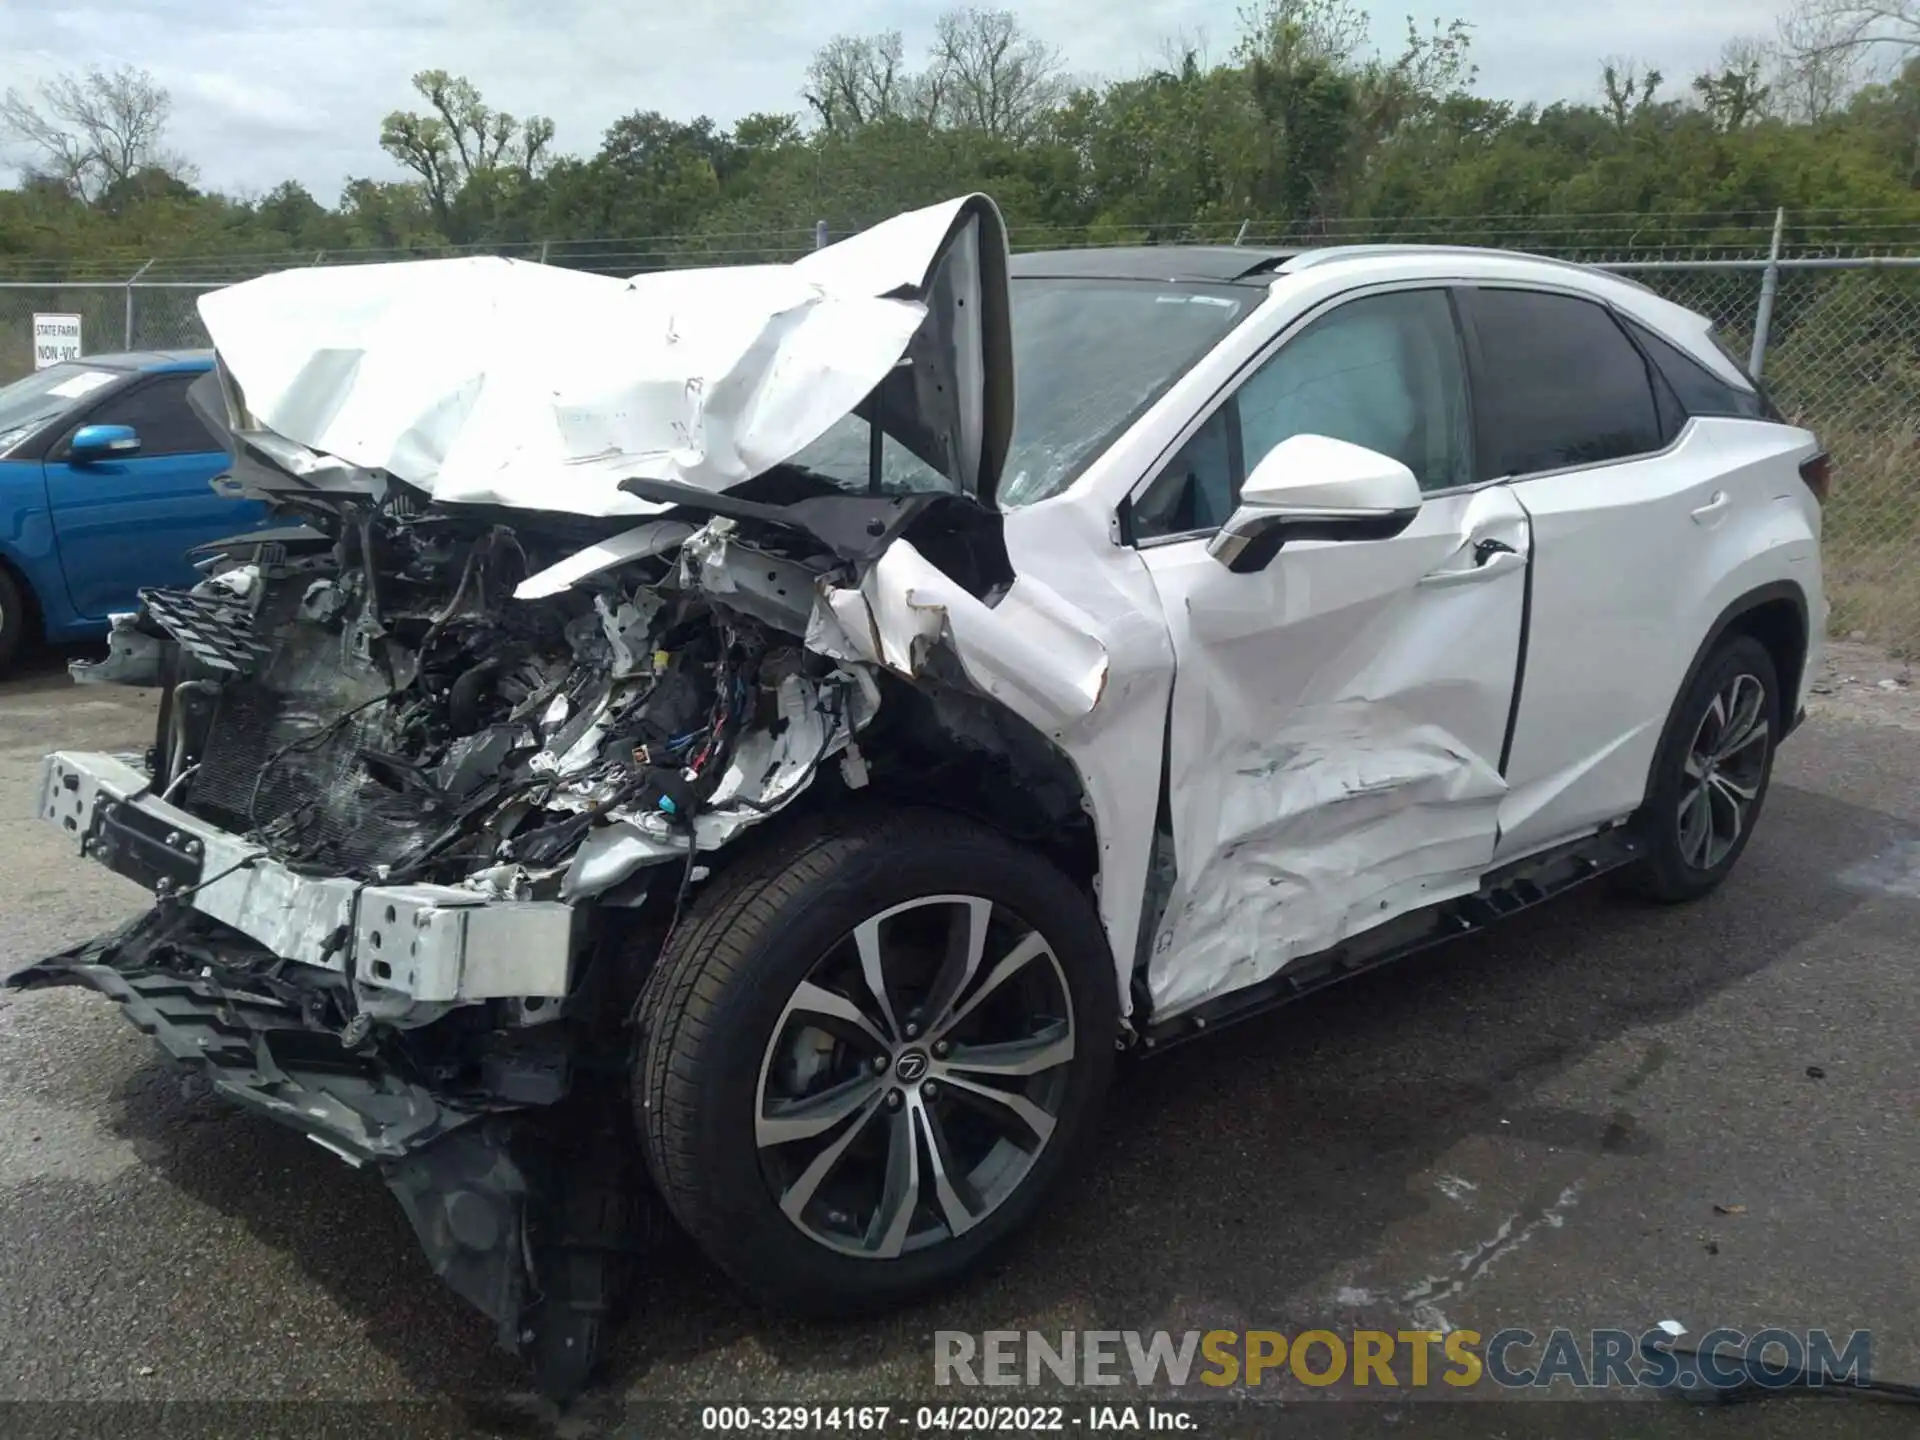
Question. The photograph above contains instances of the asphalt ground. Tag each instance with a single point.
(1600, 1115)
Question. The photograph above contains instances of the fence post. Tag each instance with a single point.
(1240, 239)
(1769, 287)
(126, 342)
(819, 234)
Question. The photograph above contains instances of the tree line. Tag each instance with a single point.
(1304, 127)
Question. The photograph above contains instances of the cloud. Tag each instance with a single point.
(267, 89)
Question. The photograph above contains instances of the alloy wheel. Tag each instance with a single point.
(1725, 768)
(914, 1077)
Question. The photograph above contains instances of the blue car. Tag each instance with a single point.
(105, 484)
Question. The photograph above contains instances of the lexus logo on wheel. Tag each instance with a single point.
(910, 1066)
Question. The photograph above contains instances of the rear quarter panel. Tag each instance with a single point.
(1636, 611)
(1783, 543)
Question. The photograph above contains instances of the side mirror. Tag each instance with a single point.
(102, 442)
(1311, 487)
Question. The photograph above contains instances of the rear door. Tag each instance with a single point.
(1625, 498)
(126, 524)
(1337, 718)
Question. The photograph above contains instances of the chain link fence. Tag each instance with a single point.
(1841, 355)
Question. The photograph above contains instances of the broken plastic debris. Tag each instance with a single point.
(853, 768)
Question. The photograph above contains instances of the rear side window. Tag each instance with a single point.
(1560, 384)
(1700, 391)
(158, 411)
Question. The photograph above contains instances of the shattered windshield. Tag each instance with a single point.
(29, 403)
(1089, 356)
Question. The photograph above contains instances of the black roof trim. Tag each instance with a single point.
(145, 359)
(1213, 264)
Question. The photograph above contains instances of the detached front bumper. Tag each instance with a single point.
(451, 1166)
(401, 945)
(514, 1168)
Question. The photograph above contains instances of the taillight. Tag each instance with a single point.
(1817, 471)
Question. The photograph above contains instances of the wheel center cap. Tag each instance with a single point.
(911, 1065)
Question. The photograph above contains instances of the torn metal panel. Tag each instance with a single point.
(655, 537)
(1031, 651)
(770, 588)
(952, 403)
(483, 380)
(1083, 656)
(613, 854)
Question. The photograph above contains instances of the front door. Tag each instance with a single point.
(1337, 718)
(126, 524)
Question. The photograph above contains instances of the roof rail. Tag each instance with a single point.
(1321, 256)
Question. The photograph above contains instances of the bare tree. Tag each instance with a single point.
(1861, 26)
(1626, 88)
(460, 138)
(95, 131)
(854, 80)
(988, 75)
(1182, 48)
(1819, 64)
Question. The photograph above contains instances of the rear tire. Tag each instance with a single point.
(954, 1102)
(1710, 778)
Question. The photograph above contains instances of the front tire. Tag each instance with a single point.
(870, 1050)
(13, 618)
(1711, 775)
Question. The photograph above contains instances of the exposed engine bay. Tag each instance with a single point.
(397, 694)
(381, 708)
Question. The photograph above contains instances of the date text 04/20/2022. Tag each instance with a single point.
(969, 1419)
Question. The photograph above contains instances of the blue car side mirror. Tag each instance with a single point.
(102, 442)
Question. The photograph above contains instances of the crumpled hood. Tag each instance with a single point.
(490, 381)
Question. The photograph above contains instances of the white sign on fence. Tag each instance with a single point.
(55, 338)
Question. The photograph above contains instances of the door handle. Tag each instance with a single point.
(1708, 513)
(1487, 564)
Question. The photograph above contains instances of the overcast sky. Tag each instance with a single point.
(267, 89)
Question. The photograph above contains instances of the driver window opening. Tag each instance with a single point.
(1384, 372)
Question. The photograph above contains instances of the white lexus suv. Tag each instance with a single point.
(763, 740)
